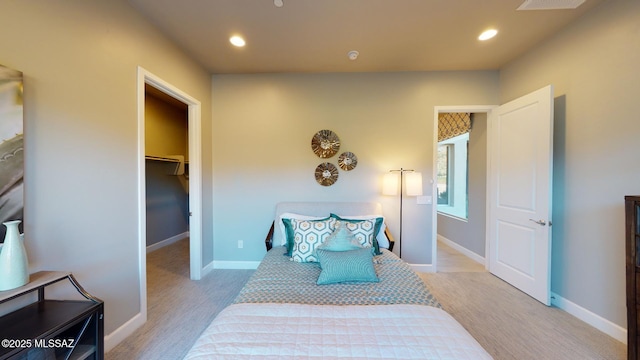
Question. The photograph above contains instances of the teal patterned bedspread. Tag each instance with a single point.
(280, 280)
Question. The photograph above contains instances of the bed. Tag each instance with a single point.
(375, 307)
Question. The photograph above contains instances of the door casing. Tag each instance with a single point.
(195, 179)
(434, 204)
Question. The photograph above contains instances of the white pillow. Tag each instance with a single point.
(383, 242)
(283, 231)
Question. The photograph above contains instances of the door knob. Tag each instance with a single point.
(539, 222)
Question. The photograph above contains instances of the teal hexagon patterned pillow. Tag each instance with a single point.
(307, 236)
(364, 231)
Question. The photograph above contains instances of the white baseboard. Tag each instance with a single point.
(615, 331)
(237, 265)
(464, 251)
(252, 265)
(124, 331)
(166, 242)
(117, 336)
(206, 269)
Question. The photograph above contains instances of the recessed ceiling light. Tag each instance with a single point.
(488, 34)
(237, 41)
(353, 54)
(278, 3)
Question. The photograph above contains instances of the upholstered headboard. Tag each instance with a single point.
(276, 237)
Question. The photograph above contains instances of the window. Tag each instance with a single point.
(452, 176)
(443, 185)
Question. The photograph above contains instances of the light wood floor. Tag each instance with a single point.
(506, 322)
(451, 260)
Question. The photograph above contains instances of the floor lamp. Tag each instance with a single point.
(410, 182)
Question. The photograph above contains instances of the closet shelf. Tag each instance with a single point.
(175, 163)
(161, 158)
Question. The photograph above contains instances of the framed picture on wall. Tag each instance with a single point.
(11, 147)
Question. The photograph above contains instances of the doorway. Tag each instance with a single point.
(166, 169)
(469, 215)
(518, 192)
(147, 80)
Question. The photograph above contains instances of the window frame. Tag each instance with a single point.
(448, 183)
(457, 177)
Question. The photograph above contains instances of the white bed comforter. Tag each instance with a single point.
(297, 331)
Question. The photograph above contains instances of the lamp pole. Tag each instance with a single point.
(401, 186)
(401, 171)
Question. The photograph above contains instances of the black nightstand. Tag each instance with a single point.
(52, 329)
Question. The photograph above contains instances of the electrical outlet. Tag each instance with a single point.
(240, 244)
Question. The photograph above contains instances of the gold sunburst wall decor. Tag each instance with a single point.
(347, 161)
(326, 174)
(325, 144)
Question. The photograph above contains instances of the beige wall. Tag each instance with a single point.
(80, 61)
(165, 128)
(262, 146)
(594, 66)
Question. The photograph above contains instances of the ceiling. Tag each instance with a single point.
(390, 35)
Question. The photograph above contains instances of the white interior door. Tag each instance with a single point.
(520, 185)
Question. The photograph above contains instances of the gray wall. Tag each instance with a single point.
(262, 152)
(167, 204)
(470, 233)
(594, 66)
(80, 61)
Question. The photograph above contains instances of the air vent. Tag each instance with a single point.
(550, 4)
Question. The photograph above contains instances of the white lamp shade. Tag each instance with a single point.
(413, 183)
(390, 184)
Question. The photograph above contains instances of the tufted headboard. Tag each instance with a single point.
(276, 237)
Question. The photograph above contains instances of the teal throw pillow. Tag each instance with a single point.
(288, 227)
(342, 239)
(346, 266)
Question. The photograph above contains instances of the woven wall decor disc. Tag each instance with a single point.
(325, 143)
(326, 174)
(347, 161)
